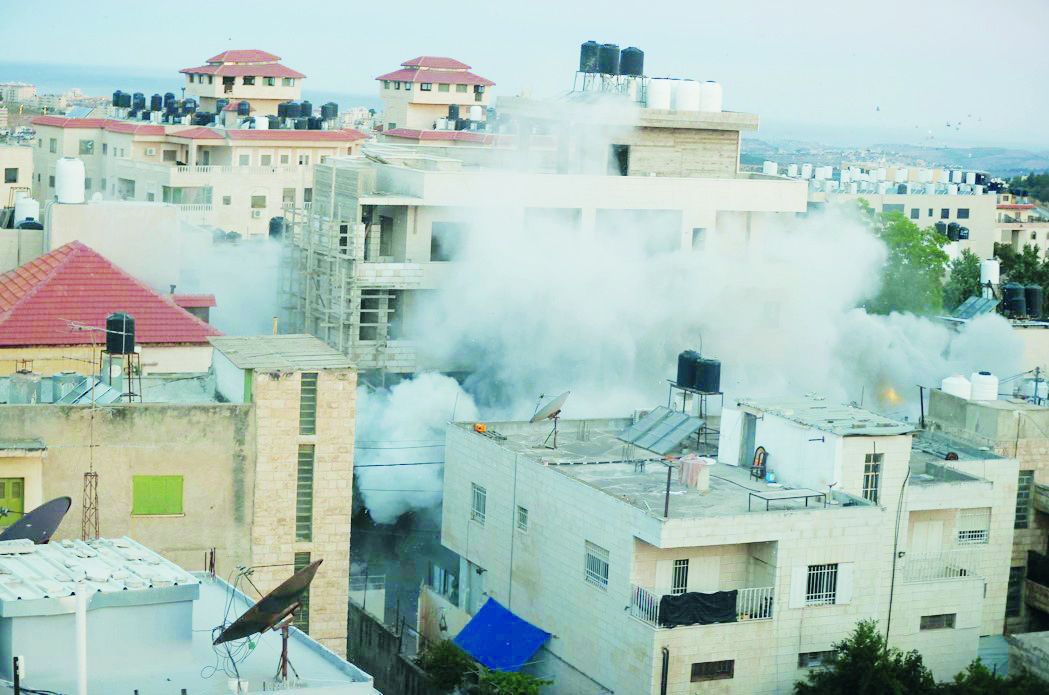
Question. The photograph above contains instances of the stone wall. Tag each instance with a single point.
(375, 648)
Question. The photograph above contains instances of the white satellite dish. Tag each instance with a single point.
(551, 411)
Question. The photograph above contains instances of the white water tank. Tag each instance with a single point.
(985, 386)
(26, 207)
(687, 96)
(1029, 388)
(711, 97)
(879, 174)
(769, 168)
(660, 90)
(990, 271)
(901, 175)
(69, 180)
(854, 187)
(792, 171)
(970, 177)
(806, 171)
(957, 385)
(845, 176)
(262, 123)
(476, 113)
(952, 189)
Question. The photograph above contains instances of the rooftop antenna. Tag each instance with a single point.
(38, 525)
(274, 610)
(551, 411)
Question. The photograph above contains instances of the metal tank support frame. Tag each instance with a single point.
(706, 432)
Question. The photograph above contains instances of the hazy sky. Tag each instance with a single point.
(892, 69)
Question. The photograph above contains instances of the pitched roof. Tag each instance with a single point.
(75, 283)
(249, 55)
(262, 70)
(448, 76)
(435, 62)
(103, 123)
(460, 135)
(187, 301)
(293, 351)
(198, 133)
(205, 133)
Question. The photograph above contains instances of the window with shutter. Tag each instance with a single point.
(974, 526)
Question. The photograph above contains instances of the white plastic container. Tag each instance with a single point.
(476, 113)
(687, 96)
(769, 168)
(26, 207)
(69, 180)
(711, 97)
(806, 171)
(957, 385)
(990, 271)
(660, 91)
(792, 171)
(984, 386)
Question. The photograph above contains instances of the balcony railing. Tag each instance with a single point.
(754, 603)
(242, 170)
(939, 566)
(199, 212)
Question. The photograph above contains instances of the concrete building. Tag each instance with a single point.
(15, 92)
(16, 165)
(419, 93)
(772, 574)
(1019, 430)
(244, 75)
(235, 179)
(146, 626)
(384, 227)
(1021, 222)
(253, 458)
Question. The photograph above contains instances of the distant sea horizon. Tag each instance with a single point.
(96, 80)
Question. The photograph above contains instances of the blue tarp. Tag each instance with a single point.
(500, 640)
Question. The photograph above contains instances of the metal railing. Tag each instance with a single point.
(229, 169)
(939, 566)
(753, 603)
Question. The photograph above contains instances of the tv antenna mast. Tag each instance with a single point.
(551, 411)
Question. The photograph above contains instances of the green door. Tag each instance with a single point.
(12, 498)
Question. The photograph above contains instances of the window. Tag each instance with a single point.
(288, 82)
(249, 80)
(816, 659)
(258, 202)
(596, 565)
(1023, 494)
(930, 212)
(39, 142)
(712, 670)
(1014, 593)
(385, 84)
(304, 160)
(478, 503)
(87, 183)
(938, 622)
(425, 86)
(892, 207)
(105, 148)
(396, 84)
(51, 181)
(103, 184)
(522, 518)
(308, 403)
(974, 526)
(618, 160)
(288, 196)
(407, 86)
(284, 159)
(53, 145)
(680, 580)
(963, 213)
(872, 476)
(443, 87)
(822, 585)
(302, 616)
(87, 147)
(945, 213)
(373, 303)
(914, 213)
(211, 79)
(265, 159)
(151, 197)
(391, 126)
(227, 200)
(156, 495)
(304, 494)
(461, 88)
(307, 195)
(10, 174)
(244, 160)
(269, 81)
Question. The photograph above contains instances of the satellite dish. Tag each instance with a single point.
(40, 524)
(272, 608)
(551, 409)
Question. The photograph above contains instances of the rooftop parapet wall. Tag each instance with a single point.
(1000, 425)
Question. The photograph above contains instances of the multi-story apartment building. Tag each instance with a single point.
(253, 458)
(231, 178)
(1022, 222)
(385, 228)
(681, 571)
(1019, 430)
(14, 92)
(419, 93)
(244, 75)
(16, 167)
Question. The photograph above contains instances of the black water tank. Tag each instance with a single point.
(686, 368)
(963, 233)
(632, 62)
(276, 227)
(169, 98)
(243, 108)
(708, 376)
(453, 112)
(330, 111)
(292, 109)
(305, 109)
(144, 115)
(274, 122)
(189, 106)
(302, 123)
(156, 102)
(1033, 295)
(138, 101)
(118, 98)
(1014, 299)
(120, 334)
(952, 231)
(282, 110)
(314, 123)
(941, 228)
(608, 59)
(221, 104)
(29, 223)
(202, 118)
(588, 56)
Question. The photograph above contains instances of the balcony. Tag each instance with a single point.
(939, 566)
(753, 603)
(201, 213)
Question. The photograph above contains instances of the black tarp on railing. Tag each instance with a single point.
(694, 608)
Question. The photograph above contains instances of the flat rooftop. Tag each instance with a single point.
(841, 420)
(929, 463)
(185, 388)
(296, 351)
(591, 452)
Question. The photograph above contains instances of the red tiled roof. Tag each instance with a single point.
(226, 70)
(1015, 206)
(134, 128)
(435, 62)
(448, 76)
(198, 133)
(347, 135)
(75, 283)
(194, 301)
(109, 124)
(460, 135)
(250, 55)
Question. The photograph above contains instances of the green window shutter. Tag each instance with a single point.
(302, 616)
(304, 494)
(156, 495)
(308, 403)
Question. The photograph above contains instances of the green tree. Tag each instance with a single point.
(446, 664)
(912, 279)
(963, 281)
(507, 683)
(865, 665)
(977, 679)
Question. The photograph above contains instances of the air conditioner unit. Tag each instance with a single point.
(256, 214)
(151, 151)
